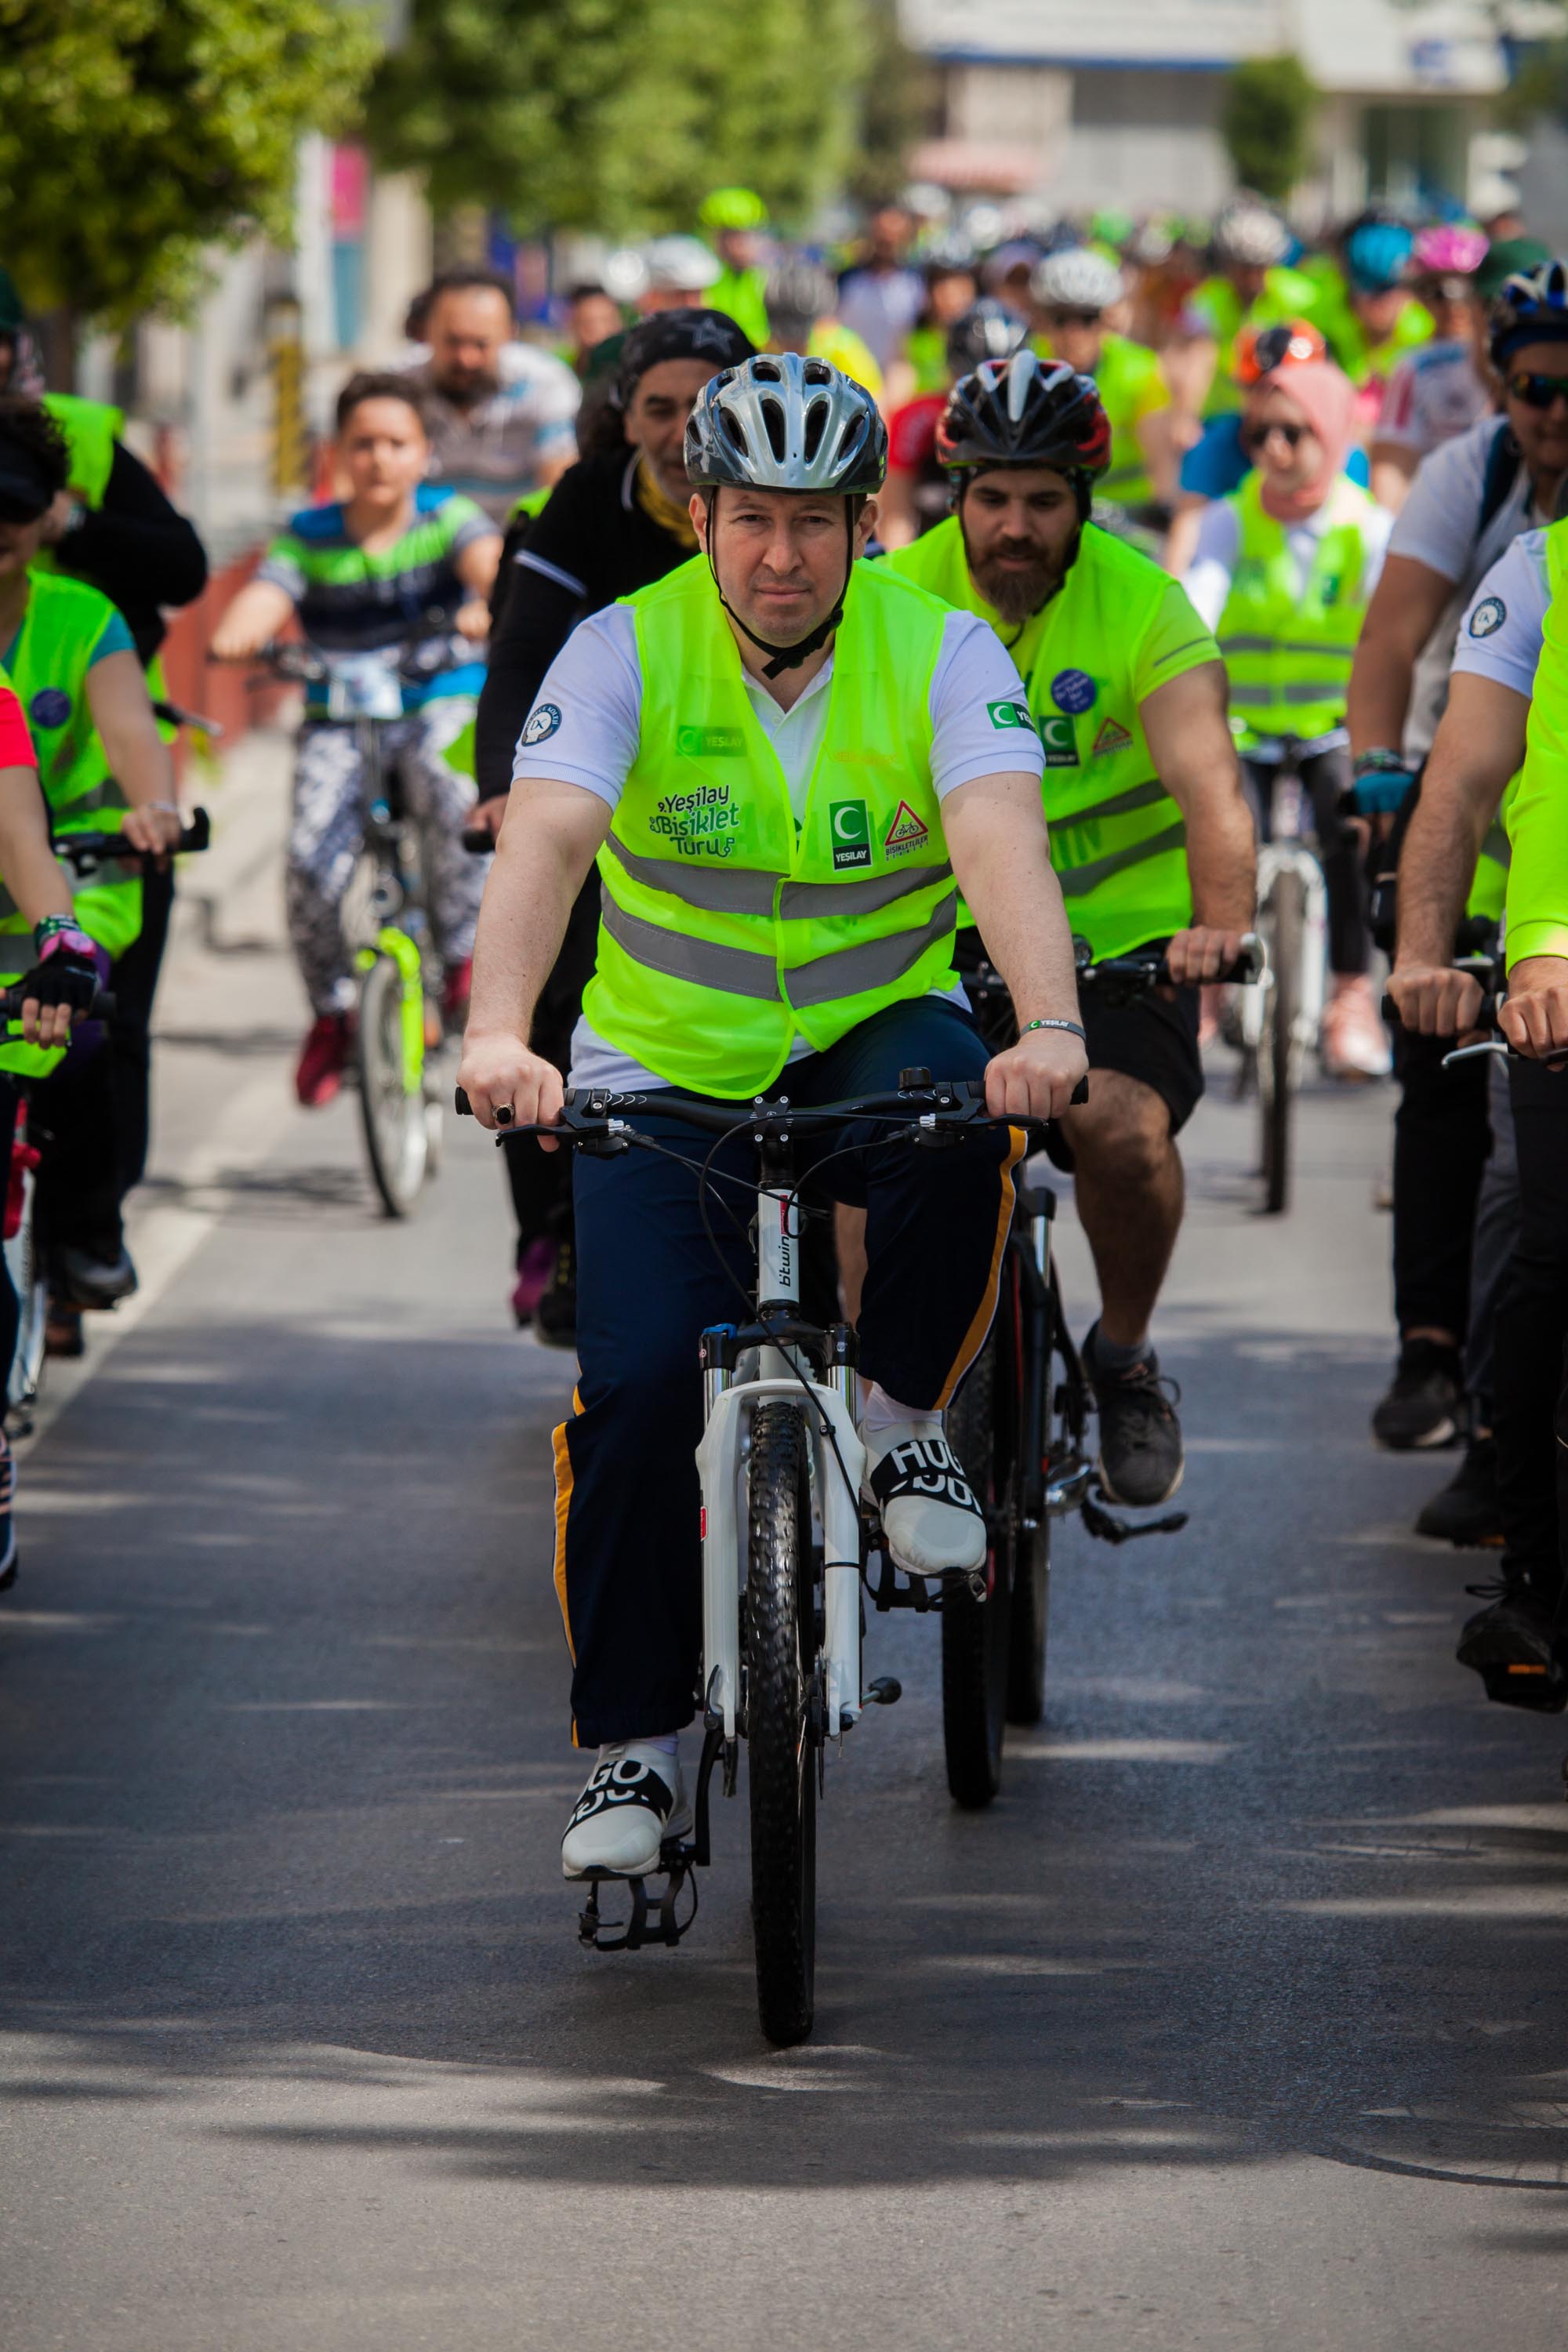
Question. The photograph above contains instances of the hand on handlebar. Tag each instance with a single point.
(1202, 953)
(155, 826)
(1436, 999)
(1035, 1077)
(61, 988)
(499, 1073)
(1534, 1019)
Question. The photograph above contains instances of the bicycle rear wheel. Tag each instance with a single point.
(782, 1740)
(977, 1634)
(396, 1137)
(1032, 1547)
(1278, 1070)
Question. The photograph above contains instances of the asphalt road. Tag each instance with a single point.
(1238, 2021)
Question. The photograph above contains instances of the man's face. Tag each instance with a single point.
(468, 327)
(1076, 337)
(655, 420)
(738, 248)
(592, 320)
(383, 450)
(20, 545)
(780, 556)
(952, 292)
(1379, 312)
(889, 234)
(1248, 281)
(1541, 433)
(1018, 529)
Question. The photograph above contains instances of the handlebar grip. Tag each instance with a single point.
(1081, 1092)
(477, 840)
(102, 1008)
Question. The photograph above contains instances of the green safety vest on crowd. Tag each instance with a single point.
(728, 929)
(926, 352)
(740, 294)
(1124, 370)
(1118, 839)
(1538, 876)
(48, 668)
(1286, 294)
(1286, 645)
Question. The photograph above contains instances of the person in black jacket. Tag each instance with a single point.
(615, 522)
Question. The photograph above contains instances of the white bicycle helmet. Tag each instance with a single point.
(681, 264)
(1076, 279)
(1249, 233)
(783, 422)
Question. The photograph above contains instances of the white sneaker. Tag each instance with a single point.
(632, 1800)
(931, 1513)
(1354, 1043)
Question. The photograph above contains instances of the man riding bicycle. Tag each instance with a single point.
(1150, 837)
(787, 762)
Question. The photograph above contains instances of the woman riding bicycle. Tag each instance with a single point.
(362, 574)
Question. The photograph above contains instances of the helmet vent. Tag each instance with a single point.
(817, 417)
(775, 425)
(734, 432)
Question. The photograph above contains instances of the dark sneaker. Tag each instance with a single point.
(556, 1317)
(1466, 1510)
(63, 1331)
(1140, 1456)
(1424, 1404)
(88, 1281)
(1518, 1645)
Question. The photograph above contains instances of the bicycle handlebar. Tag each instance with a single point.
(422, 656)
(173, 715)
(102, 1008)
(1140, 975)
(85, 851)
(929, 1104)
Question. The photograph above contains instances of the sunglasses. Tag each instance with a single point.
(1255, 435)
(1537, 391)
(1072, 317)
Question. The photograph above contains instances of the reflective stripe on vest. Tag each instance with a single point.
(726, 930)
(1117, 840)
(1288, 644)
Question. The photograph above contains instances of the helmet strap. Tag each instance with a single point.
(787, 657)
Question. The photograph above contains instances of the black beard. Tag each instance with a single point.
(1015, 596)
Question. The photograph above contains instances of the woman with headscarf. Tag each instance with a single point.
(1283, 571)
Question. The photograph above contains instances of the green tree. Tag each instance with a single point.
(619, 114)
(135, 134)
(898, 105)
(1265, 122)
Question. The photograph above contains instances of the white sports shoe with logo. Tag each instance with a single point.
(930, 1513)
(632, 1800)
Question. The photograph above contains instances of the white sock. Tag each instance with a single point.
(667, 1742)
(880, 1411)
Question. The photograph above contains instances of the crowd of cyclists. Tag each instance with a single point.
(791, 592)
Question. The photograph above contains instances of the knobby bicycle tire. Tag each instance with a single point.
(977, 1634)
(1278, 1059)
(782, 1756)
(396, 1138)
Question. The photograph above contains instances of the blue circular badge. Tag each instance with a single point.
(49, 707)
(542, 725)
(1487, 617)
(1073, 691)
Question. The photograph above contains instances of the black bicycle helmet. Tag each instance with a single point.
(988, 331)
(1023, 412)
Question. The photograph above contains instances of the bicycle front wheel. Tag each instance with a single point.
(1278, 1061)
(780, 1736)
(396, 1136)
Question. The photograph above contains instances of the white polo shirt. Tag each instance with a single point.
(585, 726)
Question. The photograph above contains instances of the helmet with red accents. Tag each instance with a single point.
(1025, 412)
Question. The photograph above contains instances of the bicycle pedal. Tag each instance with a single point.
(886, 1691)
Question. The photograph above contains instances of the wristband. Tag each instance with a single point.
(1072, 1025)
(54, 927)
(1378, 763)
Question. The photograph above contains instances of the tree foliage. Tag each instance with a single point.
(899, 95)
(1265, 122)
(619, 114)
(135, 133)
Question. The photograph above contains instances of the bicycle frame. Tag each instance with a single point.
(827, 1406)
